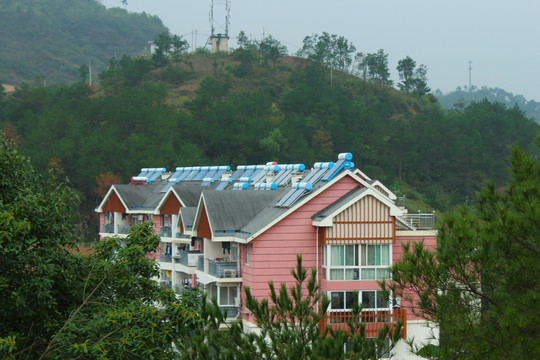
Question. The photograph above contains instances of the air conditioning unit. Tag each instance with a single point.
(229, 273)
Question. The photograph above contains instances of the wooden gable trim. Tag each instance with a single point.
(171, 206)
(114, 204)
(203, 230)
(366, 221)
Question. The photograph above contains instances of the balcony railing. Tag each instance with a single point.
(200, 263)
(223, 269)
(165, 231)
(420, 221)
(123, 229)
(232, 311)
(165, 258)
(189, 258)
(166, 284)
(373, 320)
(108, 228)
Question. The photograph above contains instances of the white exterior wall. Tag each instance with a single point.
(421, 333)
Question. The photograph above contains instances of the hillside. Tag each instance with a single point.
(49, 40)
(230, 109)
(460, 98)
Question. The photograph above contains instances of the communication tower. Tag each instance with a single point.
(219, 37)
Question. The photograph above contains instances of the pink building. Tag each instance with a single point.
(223, 230)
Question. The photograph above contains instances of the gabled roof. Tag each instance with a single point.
(270, 215)
(230, 211)
(111, 191)
(187, 215)
(188, 194)
(324, 218)
(136, 198)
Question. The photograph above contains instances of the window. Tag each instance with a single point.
(137, 219)
(227, 295)
(375, 260)
(344, 262)
(165, 220)
(246, 247)
(358, 262)
(370, 299)
(234, 252)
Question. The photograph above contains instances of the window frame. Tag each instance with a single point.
(365, 258)
(361, 294)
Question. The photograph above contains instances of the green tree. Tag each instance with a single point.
(328, 50)
(271, 49)
(376, 65)
(245, 54)
(57, 304)
(289, 324)
(405, 69)
(480, 284)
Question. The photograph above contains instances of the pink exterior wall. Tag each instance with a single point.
(430, 242)
(157, 226)
(273, 253)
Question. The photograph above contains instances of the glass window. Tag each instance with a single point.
(246, 247)
(227, 295)
(358, 262)
(337, 299)
(351, 257)
(336, 257)
(383, 302)
(349, 299)
(336, 274)
(368, 299)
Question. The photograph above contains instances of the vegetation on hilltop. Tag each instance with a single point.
(461, 97)
(48, 40)
(175, 109)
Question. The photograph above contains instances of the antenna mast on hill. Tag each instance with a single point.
(219, 40)
(470, 71)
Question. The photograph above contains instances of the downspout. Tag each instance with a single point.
(317, 259)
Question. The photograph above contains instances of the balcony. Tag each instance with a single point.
(165, 258)
(165, 231)
(420, 221)
(108, 228)
(232, 311)
(188, 258)
(123, 229)
(223, 268)
(200, 263)
(165, 284)
(372, 319)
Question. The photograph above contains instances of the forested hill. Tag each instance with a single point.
(462, 97)
(247, 107)
(49, 40)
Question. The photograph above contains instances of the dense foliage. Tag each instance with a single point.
(481, 284)
(176, 109)
(462, 97)
(48, 40)
(58, 304)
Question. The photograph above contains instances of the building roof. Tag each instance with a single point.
(240, 203)
(232, 210)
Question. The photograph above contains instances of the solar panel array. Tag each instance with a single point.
(270, 176)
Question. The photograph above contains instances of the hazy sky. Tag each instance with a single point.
(500, 37)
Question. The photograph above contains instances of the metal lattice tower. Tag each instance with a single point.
(219, 39)
(223, 29)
